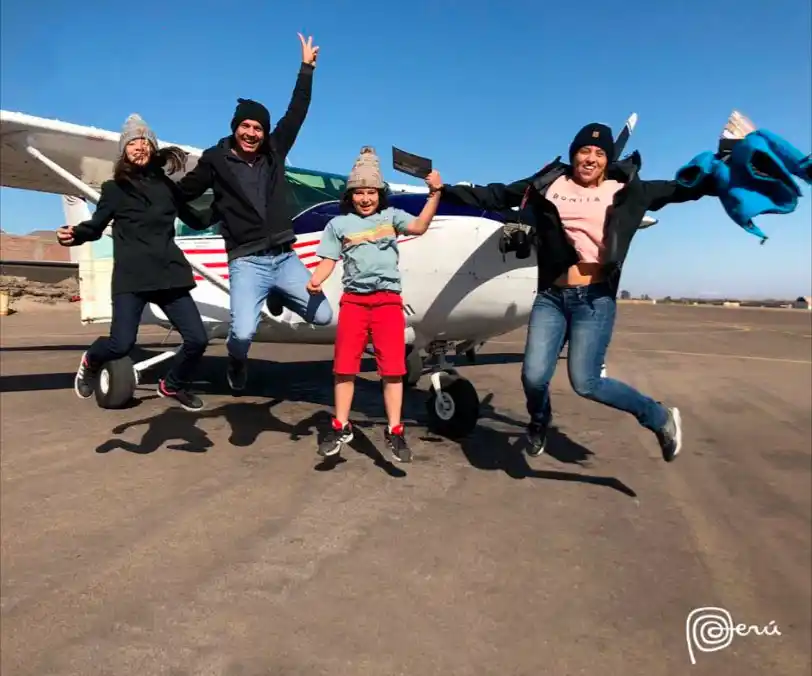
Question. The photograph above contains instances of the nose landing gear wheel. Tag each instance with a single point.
(116, 384)
(453, 410)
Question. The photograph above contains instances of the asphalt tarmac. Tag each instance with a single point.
(155, 542)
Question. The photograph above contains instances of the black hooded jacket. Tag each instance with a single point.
(246, 226)
(555, 254)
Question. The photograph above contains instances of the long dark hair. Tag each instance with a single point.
(346, 206)
(171, 158)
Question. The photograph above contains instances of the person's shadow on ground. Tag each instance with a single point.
(247, 421)
(489, 449)
(485, 448)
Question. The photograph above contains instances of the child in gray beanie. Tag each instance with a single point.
(365, 239)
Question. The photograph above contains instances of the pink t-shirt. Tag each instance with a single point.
(583, 213)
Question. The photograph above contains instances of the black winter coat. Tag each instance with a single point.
(245, 230)
(143, 211)
(555, 254)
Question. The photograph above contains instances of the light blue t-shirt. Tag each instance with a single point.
(368, 247)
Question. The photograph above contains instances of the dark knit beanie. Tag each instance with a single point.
(251, 110)
(594, 134)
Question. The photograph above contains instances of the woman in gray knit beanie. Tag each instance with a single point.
(143, 203)
(138, 147)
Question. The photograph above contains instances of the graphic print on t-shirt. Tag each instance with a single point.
(583, 213)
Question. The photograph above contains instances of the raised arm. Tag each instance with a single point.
(659, 194)
(694, 181)
(491, 197)
(287, 129)
(93, 228)
(406, 224)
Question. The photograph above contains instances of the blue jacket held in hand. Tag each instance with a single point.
(755, 178)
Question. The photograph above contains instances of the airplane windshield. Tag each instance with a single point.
(307, 189)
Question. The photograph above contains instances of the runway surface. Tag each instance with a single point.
(152, 541)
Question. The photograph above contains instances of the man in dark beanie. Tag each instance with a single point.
(584, 216)
(246, 172)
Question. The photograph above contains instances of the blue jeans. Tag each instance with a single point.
(586, 316)
(252, 279)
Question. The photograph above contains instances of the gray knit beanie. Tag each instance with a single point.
(135, 128)
(366, 172)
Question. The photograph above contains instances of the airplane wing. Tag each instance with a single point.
(86, 153)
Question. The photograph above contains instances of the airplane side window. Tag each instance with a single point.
(203, 205)
(183, 230)
(310, 188)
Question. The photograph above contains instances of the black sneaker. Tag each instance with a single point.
(274, 305)
(185, 398)
(396, 441)
(670, 436)
(237, 374)
(85, 382)
(536, 440)
(336, 437)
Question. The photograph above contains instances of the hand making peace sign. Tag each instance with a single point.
(309, 52)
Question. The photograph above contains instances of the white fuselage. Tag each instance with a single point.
(457, 286)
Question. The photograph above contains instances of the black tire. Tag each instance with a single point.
(116, 384)
(463, 415)
(414, 367)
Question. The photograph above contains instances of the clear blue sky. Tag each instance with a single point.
(490, 91)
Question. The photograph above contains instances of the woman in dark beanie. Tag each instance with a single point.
(148, 266)
(585, 215)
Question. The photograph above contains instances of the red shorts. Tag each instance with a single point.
(379, 315)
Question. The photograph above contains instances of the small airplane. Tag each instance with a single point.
(461, 286)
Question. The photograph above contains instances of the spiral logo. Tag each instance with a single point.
(708, 630)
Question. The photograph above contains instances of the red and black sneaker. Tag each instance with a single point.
(335, 438)
(396, 441)
(85, 382)
(186, 399)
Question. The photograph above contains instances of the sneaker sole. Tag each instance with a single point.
(183, 406)
(530, 451)
(335, 450)
(245, 377)
(76, 381)
(678, 436)
(233, 387)
(407, 458)
(78, 393)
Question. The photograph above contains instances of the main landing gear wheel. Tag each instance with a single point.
(116, 384)
(453, 406)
